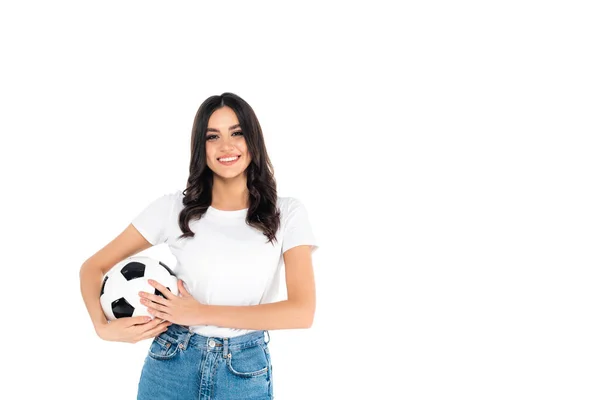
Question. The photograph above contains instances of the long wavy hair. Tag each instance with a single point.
(263, 213)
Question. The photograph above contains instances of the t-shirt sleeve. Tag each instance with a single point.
(298, 230)
(152, 221)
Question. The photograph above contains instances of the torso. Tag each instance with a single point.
(227, 262)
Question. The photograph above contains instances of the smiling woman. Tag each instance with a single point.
(226, 147)
(232, 236)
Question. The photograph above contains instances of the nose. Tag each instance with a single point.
(226, 144)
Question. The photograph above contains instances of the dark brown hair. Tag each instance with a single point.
(263, 213)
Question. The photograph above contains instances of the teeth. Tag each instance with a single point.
(228, 159)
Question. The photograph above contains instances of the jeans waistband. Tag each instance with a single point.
(184, 337)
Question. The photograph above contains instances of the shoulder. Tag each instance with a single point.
(175, 196)
(289, 206)
(168, 200)
(284, 203)
(171, 195)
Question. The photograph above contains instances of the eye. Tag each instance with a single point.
(210, 137)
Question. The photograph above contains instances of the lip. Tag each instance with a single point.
(229, 155)
(227, 164)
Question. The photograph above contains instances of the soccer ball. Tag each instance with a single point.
(119, 295)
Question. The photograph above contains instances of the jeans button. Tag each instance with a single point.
(211, 343)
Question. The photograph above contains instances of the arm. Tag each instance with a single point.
(295, 312)
(126, 244)
(90, 283)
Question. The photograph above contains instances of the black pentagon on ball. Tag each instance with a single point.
(133, 270)
(103, 284)
(121, 308)
(167, 268)
(159, 293)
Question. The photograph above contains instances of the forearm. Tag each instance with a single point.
(280, 315)
(90, 284)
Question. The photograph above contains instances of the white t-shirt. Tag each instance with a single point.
(227, 262)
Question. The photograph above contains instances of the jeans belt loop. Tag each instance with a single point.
(225, 343)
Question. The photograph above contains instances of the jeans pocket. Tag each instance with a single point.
(249, 362)
(163, 347)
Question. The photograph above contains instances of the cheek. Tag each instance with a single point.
(246, 156)
(209, 152)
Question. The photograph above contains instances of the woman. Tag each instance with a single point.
(231, 235)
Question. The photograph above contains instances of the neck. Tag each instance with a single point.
(230, 194)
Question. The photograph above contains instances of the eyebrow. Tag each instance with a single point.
(216, 130)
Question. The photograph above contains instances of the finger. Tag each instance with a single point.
(153, 332)
(166, 324)
(140, 320)
(163, 323)
(182, 289)
(158, 314)
(156, 322)
(156, 307)
(152, 298)
(166, 292)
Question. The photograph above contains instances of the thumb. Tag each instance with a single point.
(182, 288)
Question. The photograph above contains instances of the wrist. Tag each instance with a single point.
(203, 316)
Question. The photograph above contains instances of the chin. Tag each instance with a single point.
(230, 175)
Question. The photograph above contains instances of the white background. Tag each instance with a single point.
(446, 152)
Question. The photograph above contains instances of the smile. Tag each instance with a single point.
(228, 160)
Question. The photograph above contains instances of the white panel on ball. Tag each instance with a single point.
(119, 295)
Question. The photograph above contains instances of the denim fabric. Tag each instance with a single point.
(184, 365)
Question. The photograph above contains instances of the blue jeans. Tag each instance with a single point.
(184, 365)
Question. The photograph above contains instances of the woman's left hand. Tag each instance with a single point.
(182, 310)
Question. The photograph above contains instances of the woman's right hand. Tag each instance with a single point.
(132, 329)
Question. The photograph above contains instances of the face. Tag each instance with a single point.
(226, 152)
